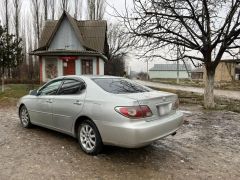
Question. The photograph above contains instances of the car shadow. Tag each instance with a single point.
(51, 133)
(149, 154)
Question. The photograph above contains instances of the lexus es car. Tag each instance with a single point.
(102, 110)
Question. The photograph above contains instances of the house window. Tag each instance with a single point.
(51, 68)
(87, 67)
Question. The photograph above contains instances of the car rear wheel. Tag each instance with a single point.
(89, 138)
(24, 117)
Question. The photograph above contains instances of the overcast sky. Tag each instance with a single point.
(131, 61)
(119, 5)
(134, 63)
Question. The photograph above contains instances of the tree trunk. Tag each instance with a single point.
(45, 4)
(209, 87)
(2, 79)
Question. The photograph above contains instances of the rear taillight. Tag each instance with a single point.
(175, 104)
(134, 111)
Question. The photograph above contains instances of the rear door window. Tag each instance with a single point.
(71, 86)
(119, 85)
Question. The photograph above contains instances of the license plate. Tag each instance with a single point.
(164, 109)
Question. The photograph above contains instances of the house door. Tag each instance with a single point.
(68, 67)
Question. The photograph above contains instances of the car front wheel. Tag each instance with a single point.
(24, 117)
(89, 138)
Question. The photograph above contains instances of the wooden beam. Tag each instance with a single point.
(40, 66)
(97, 65)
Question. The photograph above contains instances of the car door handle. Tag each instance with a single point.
(49, 101)
(78, 103)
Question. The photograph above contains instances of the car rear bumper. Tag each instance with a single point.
(138, 134)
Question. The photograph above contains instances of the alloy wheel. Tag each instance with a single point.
(24, 117)
(87, 137)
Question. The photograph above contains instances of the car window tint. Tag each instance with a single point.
(51, 89)
(119, 86)
(71, 87)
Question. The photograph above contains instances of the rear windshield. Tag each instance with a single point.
(119, 86)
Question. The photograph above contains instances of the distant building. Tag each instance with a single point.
(169, 71)
(133, 74)
(197, 73)
(227, 70)
(237, 75)
(71, 47)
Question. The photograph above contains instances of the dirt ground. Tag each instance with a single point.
(206, 147)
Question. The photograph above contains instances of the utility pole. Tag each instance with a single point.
(147, 71)
(177, 63)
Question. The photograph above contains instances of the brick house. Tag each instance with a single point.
(197, 73)
(71, 47)
(227, 70)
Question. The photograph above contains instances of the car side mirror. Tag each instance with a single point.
(38, 93)
(33, 92)
(83, 86)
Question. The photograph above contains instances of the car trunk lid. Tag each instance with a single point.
(159, 102)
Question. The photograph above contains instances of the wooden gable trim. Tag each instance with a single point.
(41, 68)
(74, 26)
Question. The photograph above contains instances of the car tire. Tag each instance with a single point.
(24, 117)
(89, 138)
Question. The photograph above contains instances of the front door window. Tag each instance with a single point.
(51, 88)
(87, 67)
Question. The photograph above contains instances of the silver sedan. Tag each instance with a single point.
(102, 110)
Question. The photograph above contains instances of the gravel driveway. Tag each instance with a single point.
(206, 147)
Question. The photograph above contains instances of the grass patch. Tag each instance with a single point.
(196, 98)
(234, 85)
(15, 91)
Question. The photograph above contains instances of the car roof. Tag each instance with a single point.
(89, 76)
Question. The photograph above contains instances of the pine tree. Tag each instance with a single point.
(10, 52)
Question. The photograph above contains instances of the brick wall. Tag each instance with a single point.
(225, 71)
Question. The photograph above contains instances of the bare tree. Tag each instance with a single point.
(52, 6)
(24, 65)
(64, 5)
(45, 7)
(77, 9)
(96, 9)
(17, 8)
(6, 5)
(119, 46)
(100, 9)
(91, 9)
(36, 4)
(6, 15)
(202, 29)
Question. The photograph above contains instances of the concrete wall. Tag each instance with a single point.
(101, 66)
(78, 65)
(59, 66)
(167, 74)
(65, 38)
